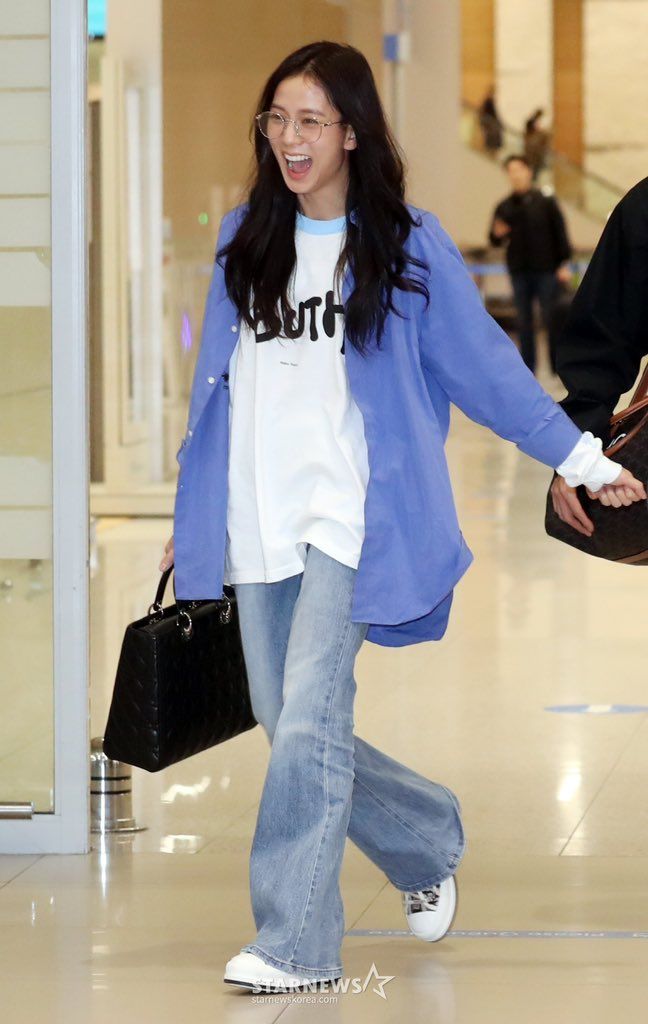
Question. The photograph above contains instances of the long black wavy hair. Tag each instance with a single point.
(260, 258)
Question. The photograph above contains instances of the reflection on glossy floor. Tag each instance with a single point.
(554, 804)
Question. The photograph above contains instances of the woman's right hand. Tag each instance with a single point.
(624, 491)
(167, 557)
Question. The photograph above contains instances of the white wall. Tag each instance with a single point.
(430, 105)
(524, 59)
(616, 89)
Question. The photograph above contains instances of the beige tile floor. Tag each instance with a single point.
(553, 917)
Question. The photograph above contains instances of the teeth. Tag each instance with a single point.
(295, 159)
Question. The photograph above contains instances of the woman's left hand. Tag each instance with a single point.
(625, 490)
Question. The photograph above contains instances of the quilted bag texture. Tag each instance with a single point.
(181, 685)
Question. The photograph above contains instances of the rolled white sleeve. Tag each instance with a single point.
(587, 465)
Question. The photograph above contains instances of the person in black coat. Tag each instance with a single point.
(605, 336)
(538, 251)
(490, 123)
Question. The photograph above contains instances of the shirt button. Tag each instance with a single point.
(190, 432)
(210, 380)
(234, 328)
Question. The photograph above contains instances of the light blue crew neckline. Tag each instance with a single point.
(319, 227)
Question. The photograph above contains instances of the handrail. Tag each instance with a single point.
(585, 189)
(509, 130)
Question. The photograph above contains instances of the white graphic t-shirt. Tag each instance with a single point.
(298, 463)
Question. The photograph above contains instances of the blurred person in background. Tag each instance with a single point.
(532, 227)
(490, 123)
(340, 323)
(605, 336)
(536, 143)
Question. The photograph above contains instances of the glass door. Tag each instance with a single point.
(43, 429)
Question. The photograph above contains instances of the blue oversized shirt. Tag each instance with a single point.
(452, 351)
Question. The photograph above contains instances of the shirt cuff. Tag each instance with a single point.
(587, 465)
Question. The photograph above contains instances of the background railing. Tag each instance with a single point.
(570, 182)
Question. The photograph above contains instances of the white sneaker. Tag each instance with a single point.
(249, 971)
(430, 912)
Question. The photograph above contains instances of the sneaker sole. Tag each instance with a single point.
(276, 986)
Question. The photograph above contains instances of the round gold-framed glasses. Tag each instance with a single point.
(308, 128)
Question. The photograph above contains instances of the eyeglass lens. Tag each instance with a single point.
(272, 126)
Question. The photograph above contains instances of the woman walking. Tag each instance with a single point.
(340, 323)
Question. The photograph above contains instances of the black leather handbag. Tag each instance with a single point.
(181, 684)
(620, 534)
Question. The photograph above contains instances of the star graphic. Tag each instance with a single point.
(381, 983)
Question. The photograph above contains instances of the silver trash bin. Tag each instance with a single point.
(111, 793)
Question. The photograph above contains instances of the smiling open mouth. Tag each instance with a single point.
(298, 166)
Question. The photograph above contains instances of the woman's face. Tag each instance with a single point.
(327, 167)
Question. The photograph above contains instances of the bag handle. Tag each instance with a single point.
(184, 619)
(159, 594)
(641, 390)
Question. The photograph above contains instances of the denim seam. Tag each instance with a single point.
(343, 642)
(457, 813)
(398, 818)
(275, 960)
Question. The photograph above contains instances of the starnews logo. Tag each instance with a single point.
(332, 987)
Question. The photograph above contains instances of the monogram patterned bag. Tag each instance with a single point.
(620, 534)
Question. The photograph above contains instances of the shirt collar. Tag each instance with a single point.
(353, 216)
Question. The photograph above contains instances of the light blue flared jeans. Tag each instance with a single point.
(323, 783)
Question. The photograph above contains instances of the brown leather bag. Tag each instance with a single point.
(620, 534)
